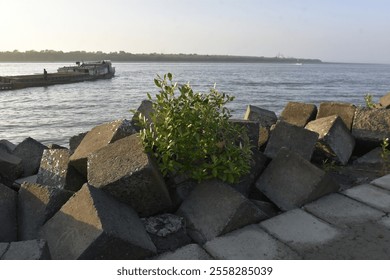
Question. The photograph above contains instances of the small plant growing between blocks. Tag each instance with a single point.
(369, 103)
(385, 155)
(190, 133)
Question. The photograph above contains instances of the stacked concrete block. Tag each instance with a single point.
(188, 252)
(214, 208)
(249, 243)
(126, 172)
(375, 197)
(382, 182)
(251, 128)
(7, 146)
(345, 111)
(26, 250)
(75, 141)
(291, 181)
(294, 138)
(8, 217)
(55, 171)
(11, 167)
(335, 141)
(37, 204)
(384, 101)
(99, 137)
(298, 113)
(93, 225)
(30, 151)
(144, 110)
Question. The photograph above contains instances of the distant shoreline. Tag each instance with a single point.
(59, 56)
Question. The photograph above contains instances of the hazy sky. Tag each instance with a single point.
(332, 30)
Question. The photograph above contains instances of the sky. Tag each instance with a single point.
(331, 30)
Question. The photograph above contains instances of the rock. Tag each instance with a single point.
(27, 250)
(126, 172)
(335, 141)
(264, 134)
(251, 128)
(7, 146)
(264, 117)
(93, 225)
(188, 252)
(345, 111)
(291, 181)
(214, 208)
(298, 113)
(8, 217)
(296, 139)
(55, 171)
(370, 127)
(56, 146)
(36, 205)
(11, 167)
(146, 110)
(167, 231)
(371, 158)
(30, 151)
(99, 137)
(75, 141)
(384, 101)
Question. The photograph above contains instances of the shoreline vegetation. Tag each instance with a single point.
(121, 56)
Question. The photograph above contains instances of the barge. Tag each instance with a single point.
(84, 71)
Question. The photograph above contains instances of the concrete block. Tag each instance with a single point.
(373, 158)
(126, 172)
(264, 117)
(294, 138)
(75, 141)
(298, 113)
(99, 137)
(188, 252)
(27, 250)
(36, 205)
(384, 101)
(55, 171)
(30, 151)
(251, 128)
(290, 181)
(342, 211)
(93, 225)
(11, 167)
(3, 248)
(383, 182)
(8, 217)
(335, 141)
(249, 243)
(167, 231)
(345, 111)
(7, 146)
(214, 208)
(146, 110)
(371, 195)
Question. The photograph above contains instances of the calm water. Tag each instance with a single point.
(53, 114)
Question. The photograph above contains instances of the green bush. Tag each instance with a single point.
(190, 133)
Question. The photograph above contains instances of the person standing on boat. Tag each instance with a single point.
(45, 74)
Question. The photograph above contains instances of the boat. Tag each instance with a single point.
(82, 71)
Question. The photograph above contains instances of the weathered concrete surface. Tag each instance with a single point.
(93, 225)
(144, 110)
(384, 101)
(264, 117)
(27, 250)
(99, 137)
(346, 111)
(267, 208)
(55, 171)
(214, 208)
(75, 141)
(8, 217)
(371, 126)
(383, 182)
(335, 141)
(291, 181)
(29, 179)
(251, 128)
(249, 243)
(375, 197)
(11, 167)
(188, 252)
(126, 172)
(167, 231)
(3, 248)
(7, 146)
(298, 113)
(37, 204)
(30, 151)
(373, 157)
(294, 138)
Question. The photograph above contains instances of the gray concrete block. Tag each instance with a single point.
(346, 111)
(93, 225)
(264, 117)
(383, 182)
(11, 167)
(214, 208)
(30, 151)
(3, 248)
(8, 214)
(144, 110)
(30, 179)
(298, 113)
(7, 146)
(251, 128)
(75, 141)
(188, 252)
(373, 158)
(249, 243)
(294, 138)
(371, 195)
(27, 250)
(37, 204)
(290, 181)
(335, 140)
(384, 101)
(342, 211)
(55, 171)
(126, 172)
(99, 137)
